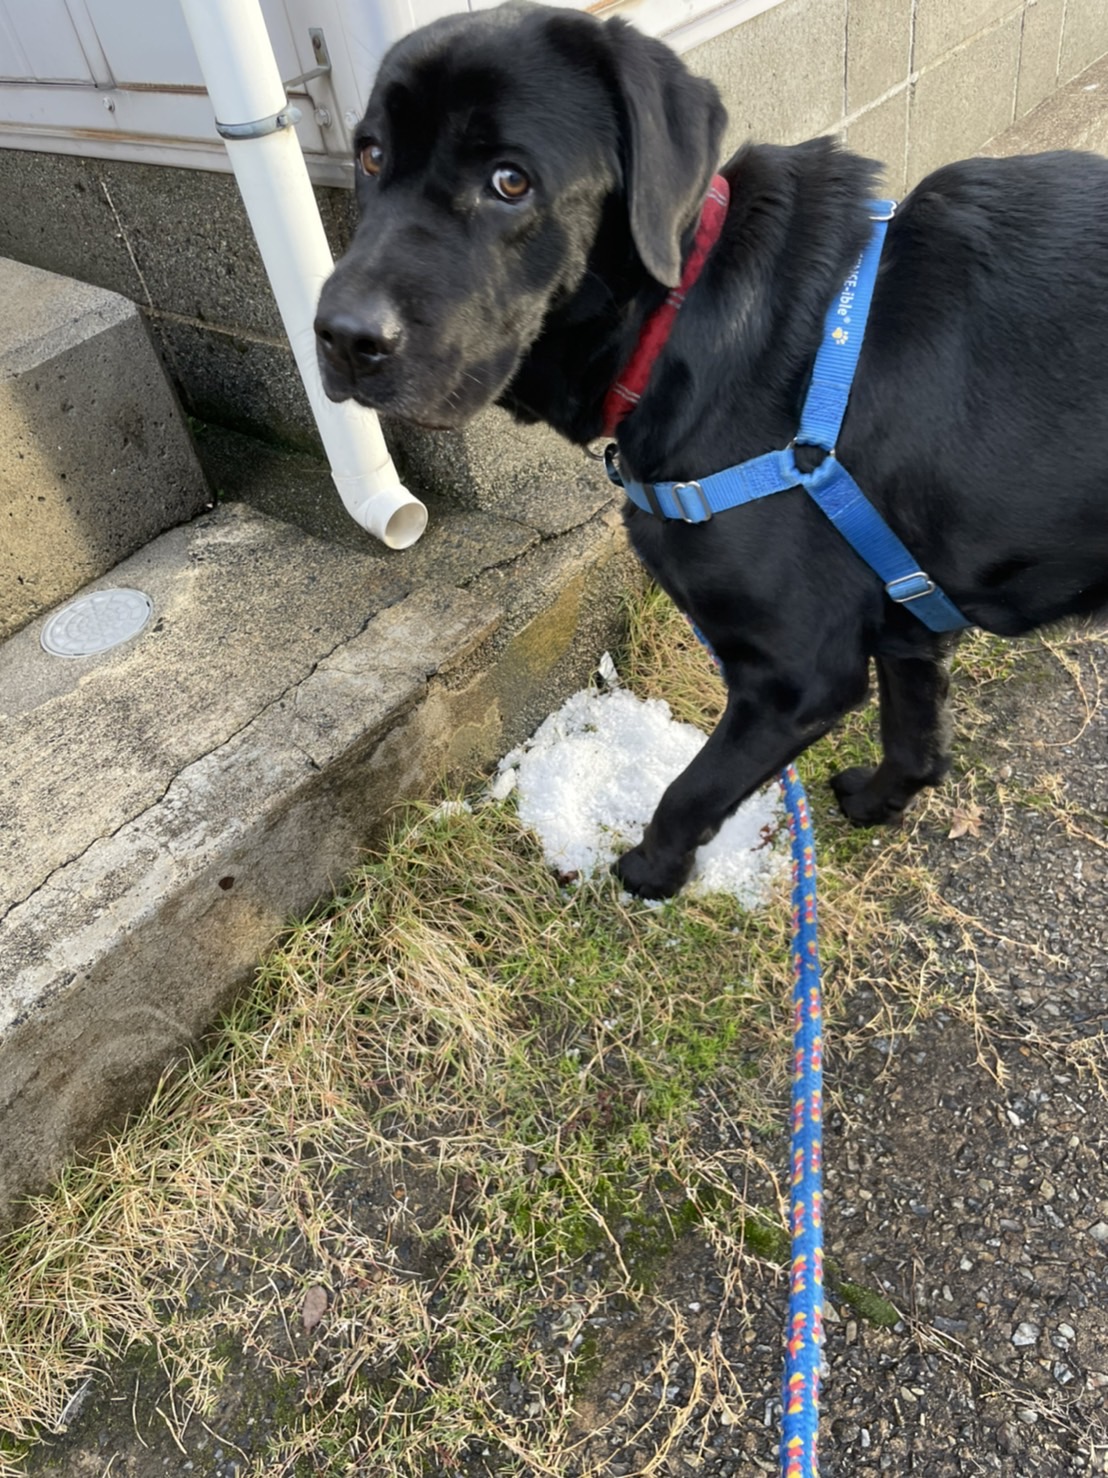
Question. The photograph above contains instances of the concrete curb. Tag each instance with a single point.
(117, 955)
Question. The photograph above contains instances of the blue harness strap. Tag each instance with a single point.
(844, 328)
(829, 485)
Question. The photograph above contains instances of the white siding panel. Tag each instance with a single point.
(40, 41)
(120, 79)
(145, 41)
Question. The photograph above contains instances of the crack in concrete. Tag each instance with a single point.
(287, 694)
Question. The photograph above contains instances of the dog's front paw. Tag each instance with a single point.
(860, 800)
(649, 874)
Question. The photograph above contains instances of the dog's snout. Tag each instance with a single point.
(359, 337)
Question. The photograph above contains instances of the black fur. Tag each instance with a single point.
(976, 424)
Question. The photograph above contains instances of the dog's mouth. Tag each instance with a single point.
(429, 419)
(422, 395)
(425, 414)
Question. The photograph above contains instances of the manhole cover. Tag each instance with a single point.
(96, 623)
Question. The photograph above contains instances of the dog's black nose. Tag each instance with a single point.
(359, 338)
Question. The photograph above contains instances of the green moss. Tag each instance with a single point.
(770, 1240)
(767, 1238)
(867, 1303)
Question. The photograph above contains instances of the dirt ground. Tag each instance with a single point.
(972, 1189)
(967, 1179)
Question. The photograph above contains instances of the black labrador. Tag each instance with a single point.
(529, 180)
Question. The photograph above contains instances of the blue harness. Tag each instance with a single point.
(829, 485)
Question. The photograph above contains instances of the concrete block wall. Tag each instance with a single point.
(911, 82)
(914, 83)
(178, 243)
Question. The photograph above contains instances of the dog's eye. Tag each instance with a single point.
(371, 157)
(510, 183)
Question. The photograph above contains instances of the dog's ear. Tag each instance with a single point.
(674, 123)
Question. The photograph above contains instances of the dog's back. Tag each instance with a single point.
(983, 400)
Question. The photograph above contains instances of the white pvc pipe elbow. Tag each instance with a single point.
(240, 73)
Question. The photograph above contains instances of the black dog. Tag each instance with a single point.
(529, 180)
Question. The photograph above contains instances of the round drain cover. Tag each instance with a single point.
(96, 623)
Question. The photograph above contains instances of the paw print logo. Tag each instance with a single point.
(840, 335)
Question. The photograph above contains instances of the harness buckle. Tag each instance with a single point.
(679, 488)
(918, 585)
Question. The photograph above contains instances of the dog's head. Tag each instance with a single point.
(492, 148)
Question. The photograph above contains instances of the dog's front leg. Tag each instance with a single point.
(746, 748)
(915, 738)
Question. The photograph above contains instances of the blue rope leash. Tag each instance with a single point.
(800, 1396)
(804, 1342)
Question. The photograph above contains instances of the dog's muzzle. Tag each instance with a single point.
(357, 341)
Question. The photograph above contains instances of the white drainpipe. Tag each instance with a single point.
(252, 113)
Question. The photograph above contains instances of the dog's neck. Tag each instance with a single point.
(634, 377)
(587, 337)
(797, 218)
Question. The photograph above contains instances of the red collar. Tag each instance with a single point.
(624, 394)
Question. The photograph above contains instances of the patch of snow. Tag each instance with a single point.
(589, 778)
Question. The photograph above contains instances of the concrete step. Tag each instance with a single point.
(95, 459)
(170, 803)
